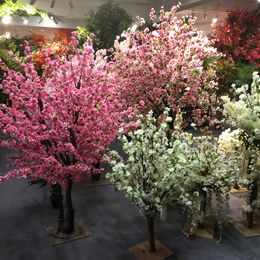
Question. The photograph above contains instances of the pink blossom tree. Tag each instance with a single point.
(169, 65)
(61, 122)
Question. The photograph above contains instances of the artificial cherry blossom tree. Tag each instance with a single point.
(167, 66)
(62, 122)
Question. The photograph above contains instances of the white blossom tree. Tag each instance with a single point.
(244, 114)
(148, 175)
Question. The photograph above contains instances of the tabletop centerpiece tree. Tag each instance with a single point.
(243, 114)
(61, 122)
(148, 175)
(169, 65)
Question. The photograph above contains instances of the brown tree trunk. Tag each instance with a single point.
(61, 211)
(252, 198)
(66, 221)
(203, 208)
(96, 177)
(150, 224)
(253, 190)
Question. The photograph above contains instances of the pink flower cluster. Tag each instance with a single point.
(61, 122)
(165, 67)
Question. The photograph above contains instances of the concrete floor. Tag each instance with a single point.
(115, 223)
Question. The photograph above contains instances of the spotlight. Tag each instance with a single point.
(71, 5)
(25, 21)
(6, 19)
(215, 20)
(53, 2)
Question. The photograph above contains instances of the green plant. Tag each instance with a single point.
(109, 21)
(11, 7)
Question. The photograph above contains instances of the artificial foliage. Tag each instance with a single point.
(238, 36)
(9, 44)
(244, 114)
(238, 39)
(59, 45)
(61, 122)
(213, 166)
(147, 176)
(170, 65)
(109, 21)
(18, 8)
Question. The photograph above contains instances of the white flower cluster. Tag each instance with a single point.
(245, 113)
(149, 174)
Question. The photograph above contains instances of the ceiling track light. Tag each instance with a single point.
(52, 4)
(6, 19)
(32, 2)
(71, 5)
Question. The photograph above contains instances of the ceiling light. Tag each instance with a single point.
(258, 1)
(71, 5)
(6, 19)
(25, 21)
(53, 2)
(215, 20)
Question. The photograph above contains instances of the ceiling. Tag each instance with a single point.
(74, 12)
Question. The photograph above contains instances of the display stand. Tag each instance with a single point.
(241, 226)
(81, 231)
(207, 231)
(141, 251)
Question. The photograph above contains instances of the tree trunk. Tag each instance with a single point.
(96, 177)
(54, 197)
(61, 211)
(66, 222)
(150, 224)
(253, 190)
(252, 198)
(203, 208)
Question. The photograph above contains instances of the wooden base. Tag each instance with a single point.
(141, 251)
(59, 238)
(93, 183)
(206, 232)
(241, 192)
(240, 225)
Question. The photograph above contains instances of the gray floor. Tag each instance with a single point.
(116, 225)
